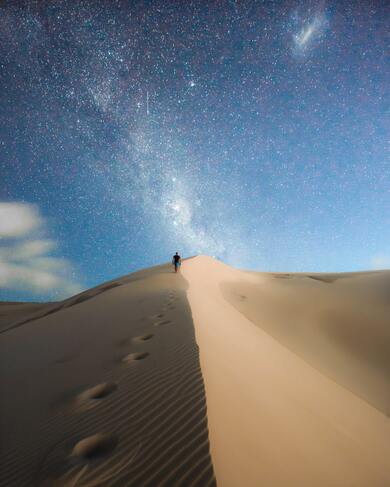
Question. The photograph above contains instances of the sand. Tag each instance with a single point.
(211, 376)
(105, 388)
(14, 312)
(295, 393)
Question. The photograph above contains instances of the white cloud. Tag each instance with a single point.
(25, 277)
(27, 249)
(380, 261)
(25, 262)
(17, 219)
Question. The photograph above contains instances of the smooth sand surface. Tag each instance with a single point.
(104, 389)
(296, 372)
(339, 325)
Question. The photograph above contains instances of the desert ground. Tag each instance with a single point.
(105, 388)
(213, 376)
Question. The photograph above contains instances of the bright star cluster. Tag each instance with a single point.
(252, 131)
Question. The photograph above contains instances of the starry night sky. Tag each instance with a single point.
(253, 131)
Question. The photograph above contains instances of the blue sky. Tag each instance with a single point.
(251, 131)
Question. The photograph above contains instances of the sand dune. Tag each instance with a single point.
(289, 386)
(14, 312)
(341, 329)
(105, 389)
(290, 402)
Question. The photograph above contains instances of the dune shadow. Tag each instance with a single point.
(367, 341)
(90, 294)
(326, 280)
(81, 298)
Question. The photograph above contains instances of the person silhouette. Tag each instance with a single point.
(176, 261)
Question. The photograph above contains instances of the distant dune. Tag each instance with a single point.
(289, 386)
(13, 312)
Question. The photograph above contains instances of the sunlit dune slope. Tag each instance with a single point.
(338, 323)
(296, 371)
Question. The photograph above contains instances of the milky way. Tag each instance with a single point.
(251, 131)
(311, 31)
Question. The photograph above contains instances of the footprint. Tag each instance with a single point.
(94, 446)
(161, 323)
(143, 338)
(98, 392)
(161, 315)
(134, 357)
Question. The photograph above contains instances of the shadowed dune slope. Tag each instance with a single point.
(296, 372)
(13, 312)
(105, 389)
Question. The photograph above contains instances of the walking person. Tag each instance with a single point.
(176, 261)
